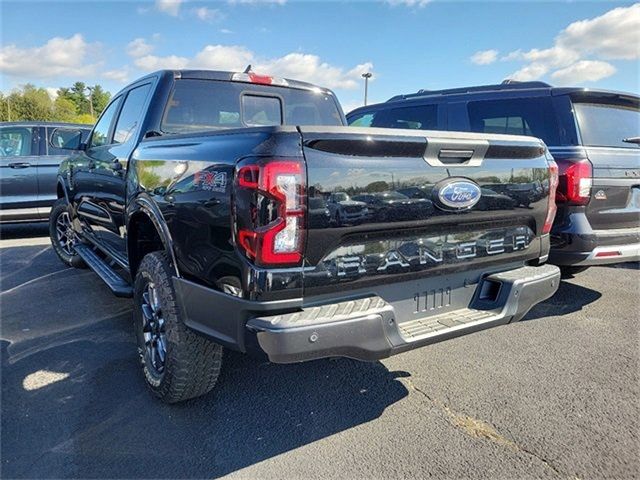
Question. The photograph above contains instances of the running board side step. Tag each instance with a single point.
(118, 285)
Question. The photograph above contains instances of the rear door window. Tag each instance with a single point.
(16, 141)
(603, 125)
(131, 113)
(519, 116)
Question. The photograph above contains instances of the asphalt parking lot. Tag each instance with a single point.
(555, 396)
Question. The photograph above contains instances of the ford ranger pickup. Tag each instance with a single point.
(210, 198)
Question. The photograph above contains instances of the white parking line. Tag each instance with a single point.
(24, 242)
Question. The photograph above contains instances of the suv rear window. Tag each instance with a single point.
(200, 105)
(519, 116)
(418, 117)
(603, 125)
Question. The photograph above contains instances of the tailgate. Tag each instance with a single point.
(604, 121)
(410, 204)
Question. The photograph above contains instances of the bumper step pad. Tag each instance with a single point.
(423, 327)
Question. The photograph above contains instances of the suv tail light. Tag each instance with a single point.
(273, 230)
(553, 186)
(574, 187)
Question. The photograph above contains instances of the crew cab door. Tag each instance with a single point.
(18, 173)
(103, 191)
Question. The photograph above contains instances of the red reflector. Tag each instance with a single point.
(608, 254)
(248, 176)
(248, 241)
(551, 207)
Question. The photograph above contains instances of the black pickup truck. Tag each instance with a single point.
(194, 193)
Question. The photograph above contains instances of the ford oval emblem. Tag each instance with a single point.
(457, 194)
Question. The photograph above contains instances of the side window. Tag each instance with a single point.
(16, 141)
(58, 137)
(519, 116)
(130, 114)
(100, 135)
(419, 117)
(361, 120)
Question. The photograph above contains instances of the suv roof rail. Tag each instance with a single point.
(507, 84)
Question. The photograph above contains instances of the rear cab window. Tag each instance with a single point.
(606, 123)
(204, 105)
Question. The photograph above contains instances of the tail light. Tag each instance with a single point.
(574, 187)
(553, 186)
(271, 220)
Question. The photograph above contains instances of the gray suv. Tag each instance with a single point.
(30, 154)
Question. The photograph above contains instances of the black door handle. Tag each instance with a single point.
(20, 165)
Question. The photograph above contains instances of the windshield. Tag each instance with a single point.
(340, 197)
(316, 203)
(197, 105)
(604, 125)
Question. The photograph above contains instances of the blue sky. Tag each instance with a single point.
(407, 44)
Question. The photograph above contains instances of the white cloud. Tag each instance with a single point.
(226, 31)
(583, 71)
(408, 3)
(52, 92)
(153, 62)
(59, 57)
(533, 71)
(612, 36)
(170, 7)
(298, 66)
(208, 14)
(139, 48)
(119, 75)
(256, 2)
(580, 50)
(484, 57)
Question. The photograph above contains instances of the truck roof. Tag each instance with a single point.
(504, 87)
(228, 77)
(29, 123)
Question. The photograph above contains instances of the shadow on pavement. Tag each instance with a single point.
(74, 403)
(568, 299)
(24, 230)
(627, 265)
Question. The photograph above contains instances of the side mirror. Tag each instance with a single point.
(67, 139)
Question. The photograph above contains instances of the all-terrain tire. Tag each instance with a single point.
(60, 219)
(192, 363)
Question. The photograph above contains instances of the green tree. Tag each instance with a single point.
(32, 103)
(71, 105)
(99, 99)
(64, 110)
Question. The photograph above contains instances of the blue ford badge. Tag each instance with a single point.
(458, 193)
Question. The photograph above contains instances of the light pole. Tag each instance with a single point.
(366, 77)
(90, 100)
